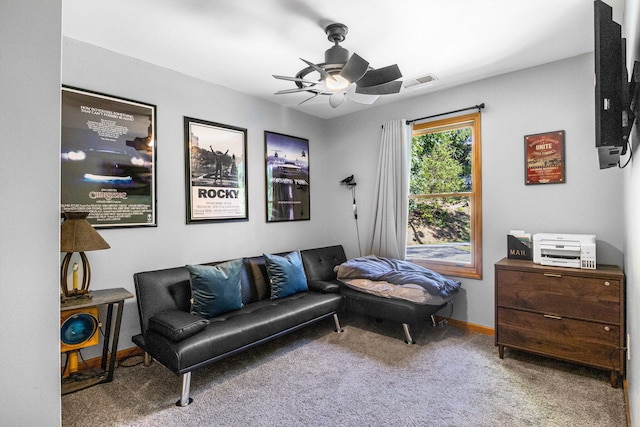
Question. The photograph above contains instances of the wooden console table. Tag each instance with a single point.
(108, 298)
(572, 314)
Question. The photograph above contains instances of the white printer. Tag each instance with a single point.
(565, 250)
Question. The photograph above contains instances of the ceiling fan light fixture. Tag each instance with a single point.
(337, 83)
(337, 99)
(344, 77)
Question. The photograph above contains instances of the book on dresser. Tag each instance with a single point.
(575, 315)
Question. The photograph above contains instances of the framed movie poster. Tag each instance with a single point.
(287, 177)
(216, 172)
(107, 159)
(544, 158)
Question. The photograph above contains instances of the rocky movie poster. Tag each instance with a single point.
(544, 158)
(107, 159)
(287, 164)
(216, 161)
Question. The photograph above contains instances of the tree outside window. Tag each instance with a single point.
(444, 226)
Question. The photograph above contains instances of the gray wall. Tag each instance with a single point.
(172, 242)
(631, 31)
(557, 96)
(551, 97)
(30, 33)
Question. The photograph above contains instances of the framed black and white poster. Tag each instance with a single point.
(216, 172)
(107, 160)
(287, 177)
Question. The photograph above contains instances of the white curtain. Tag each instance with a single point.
(392, 191)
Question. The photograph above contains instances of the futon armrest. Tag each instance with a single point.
(177, 324)
(323, 286)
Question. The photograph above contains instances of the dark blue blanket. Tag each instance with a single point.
(397, 272)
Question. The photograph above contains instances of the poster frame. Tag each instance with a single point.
(213, 207)
(119, 184)
(299, 174)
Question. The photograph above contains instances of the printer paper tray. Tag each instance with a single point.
(560, 262)
(561, 256)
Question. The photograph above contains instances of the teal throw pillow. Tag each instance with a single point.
(286, 274)
(216, 288)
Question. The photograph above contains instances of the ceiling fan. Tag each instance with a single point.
(342, 77)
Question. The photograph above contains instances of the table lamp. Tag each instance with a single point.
(77, 235)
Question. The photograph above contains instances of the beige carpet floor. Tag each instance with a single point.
(366, 376)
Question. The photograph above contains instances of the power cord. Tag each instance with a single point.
(630, 156)
(444, 321)
(79, 375)
(355, 215)
(125, 361)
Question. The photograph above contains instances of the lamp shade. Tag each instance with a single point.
(77, 235)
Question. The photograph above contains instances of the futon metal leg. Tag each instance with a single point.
(337, 322)
(407, 334)
(147, 359)
(186, 386)
(441, 323)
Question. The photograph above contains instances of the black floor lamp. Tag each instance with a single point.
(351, 184)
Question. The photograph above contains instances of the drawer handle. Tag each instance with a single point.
(552, 275)
(549, 316)
(607, 284)
(606, 328)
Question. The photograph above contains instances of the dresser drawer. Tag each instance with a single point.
(590, 343)
(559, 294)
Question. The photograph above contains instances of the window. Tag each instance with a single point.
(444, 231)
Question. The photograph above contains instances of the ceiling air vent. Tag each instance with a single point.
(419, 82)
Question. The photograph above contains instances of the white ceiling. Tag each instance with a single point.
(239, 44)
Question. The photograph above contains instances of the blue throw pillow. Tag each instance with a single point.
(286, 274)
(216, 288)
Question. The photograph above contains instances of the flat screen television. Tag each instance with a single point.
(611, 101)
(612, 90)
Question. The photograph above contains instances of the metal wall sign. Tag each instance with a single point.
(544, 158)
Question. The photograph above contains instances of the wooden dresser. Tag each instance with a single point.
(576, 315)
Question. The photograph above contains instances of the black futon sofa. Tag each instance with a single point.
(183, 342)
(319, 266)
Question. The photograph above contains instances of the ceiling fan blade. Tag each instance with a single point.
(381, 89)
(336, 99)
(361, 98)
(320, 70)
(380, 76)
(354, 69)
(309, 99)
(294, 79)
(298, 89)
